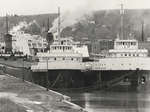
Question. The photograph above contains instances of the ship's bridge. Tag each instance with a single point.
(126, 44)
(127, 48)
(62, 45)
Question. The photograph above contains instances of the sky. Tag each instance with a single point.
(28, 7)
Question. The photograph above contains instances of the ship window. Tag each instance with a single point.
(125, 54)
(29, 44)
(63, 58)
(54, 58)
(129, 54)
(61, 42)
(134, 43)
(71, 58)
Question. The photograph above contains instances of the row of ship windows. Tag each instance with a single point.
(61, 48)
(128, 55)
(36, 45)
(116, 64)
(76, 59)
(126, 43)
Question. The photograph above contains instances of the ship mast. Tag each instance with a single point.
(121, 22)
(58, 23)
(6, 24)
(142, 31)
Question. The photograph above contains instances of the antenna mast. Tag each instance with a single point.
(121, 22)
(142, 31)
(58, 22)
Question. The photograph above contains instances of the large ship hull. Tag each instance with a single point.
(135, 77)
(65, 78)
(94, 78)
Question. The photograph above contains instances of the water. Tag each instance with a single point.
(114, 100)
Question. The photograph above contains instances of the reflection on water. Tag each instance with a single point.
(113, 101)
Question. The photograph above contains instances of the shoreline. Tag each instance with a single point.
(29, 89)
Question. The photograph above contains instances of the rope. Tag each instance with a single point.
(114, 81)
(55, 81)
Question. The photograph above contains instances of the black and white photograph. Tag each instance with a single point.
(74, 56)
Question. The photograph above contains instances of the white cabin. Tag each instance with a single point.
(61, 50)
(127, 48)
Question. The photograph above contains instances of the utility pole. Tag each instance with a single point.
(47, 82)
(23, 71)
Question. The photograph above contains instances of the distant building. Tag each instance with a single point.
(26, 43)
(148, 39)
(2, 44)
(8, 43)
(100, 45)
(145, 45)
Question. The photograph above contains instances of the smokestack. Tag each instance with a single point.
(142, 34)
(48, 24)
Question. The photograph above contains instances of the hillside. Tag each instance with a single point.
(102, 24)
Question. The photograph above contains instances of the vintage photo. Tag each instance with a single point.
(74, 56)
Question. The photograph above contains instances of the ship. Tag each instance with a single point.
(126, 62)
(63, 65)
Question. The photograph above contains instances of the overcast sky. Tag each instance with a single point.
(27, 7)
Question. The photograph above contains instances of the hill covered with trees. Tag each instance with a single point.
(102, 24)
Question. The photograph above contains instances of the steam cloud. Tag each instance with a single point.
(19, 26)
(23, 24)
(70, 18)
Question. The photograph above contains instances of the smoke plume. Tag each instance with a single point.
(23, 25)
(70, 18)
(19, 26)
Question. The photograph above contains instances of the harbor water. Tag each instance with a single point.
(114, 100)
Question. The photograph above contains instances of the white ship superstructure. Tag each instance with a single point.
(62, 52)
(125, 56)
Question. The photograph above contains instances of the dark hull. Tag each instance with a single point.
(81, 79)
(65, 78)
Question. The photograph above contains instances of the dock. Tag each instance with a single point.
(33, 98)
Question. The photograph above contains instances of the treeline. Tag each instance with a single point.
(103, 24)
